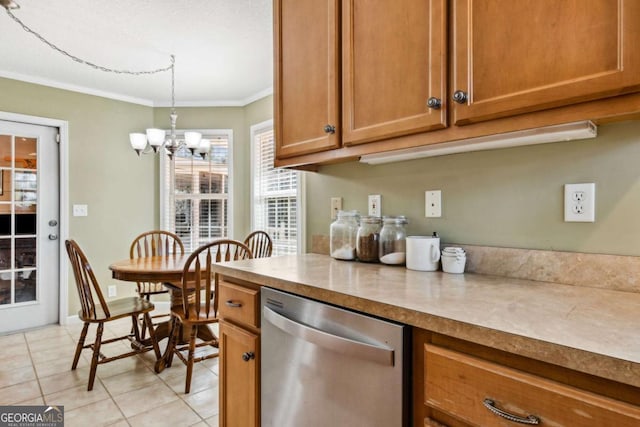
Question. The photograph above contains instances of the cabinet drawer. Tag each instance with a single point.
(238, 303)
(458, 384)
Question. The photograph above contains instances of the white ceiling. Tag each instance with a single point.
(223, 48)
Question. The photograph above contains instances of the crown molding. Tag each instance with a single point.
(140, 101)
(74, 88)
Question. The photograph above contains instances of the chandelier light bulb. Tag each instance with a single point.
(203, 147)
(156, 137)
(192, 140)
(138, 141)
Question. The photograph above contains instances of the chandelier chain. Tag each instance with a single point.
(90, 64)
(173, 83)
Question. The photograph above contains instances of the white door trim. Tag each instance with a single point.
(63, 127)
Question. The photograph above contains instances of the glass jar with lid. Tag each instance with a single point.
(367, 239)
(392, 246)
(343, 232)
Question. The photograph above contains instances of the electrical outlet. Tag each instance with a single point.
(375, 205)
(336, 205)
(112, 291)
(580, 202)
(433, 204)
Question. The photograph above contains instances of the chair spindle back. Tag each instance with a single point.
(260, 244)
(156, 242)
(86, 282)
(199, 284)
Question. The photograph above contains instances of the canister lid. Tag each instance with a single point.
(369, 219)
(399, 219)
(348, 214)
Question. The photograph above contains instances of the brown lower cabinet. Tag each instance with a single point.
(460, 384)
(239, 354)
(455, 383)
(239, 376)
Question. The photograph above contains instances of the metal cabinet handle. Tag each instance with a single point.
(378, 354)
(434, 103)
(491, 405)
(233, 304)
(329, 129)
(460, 96)
(249, 355)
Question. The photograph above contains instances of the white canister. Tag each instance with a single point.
(423, 253)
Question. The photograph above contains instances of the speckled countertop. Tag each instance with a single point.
(591, 330)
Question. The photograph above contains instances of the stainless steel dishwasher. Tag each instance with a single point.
(329, 367)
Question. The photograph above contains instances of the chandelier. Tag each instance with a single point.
(154, 138)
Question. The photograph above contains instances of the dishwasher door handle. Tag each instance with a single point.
(347, 346)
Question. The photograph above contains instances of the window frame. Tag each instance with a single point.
(163, 164)
(300, 191)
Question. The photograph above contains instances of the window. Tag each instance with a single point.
(276, 206)
(195, 192)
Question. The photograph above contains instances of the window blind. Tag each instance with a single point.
(196, 194)
(275, 194)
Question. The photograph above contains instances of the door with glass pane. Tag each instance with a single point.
(29, 215)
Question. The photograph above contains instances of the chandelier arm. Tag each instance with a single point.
(82, 61)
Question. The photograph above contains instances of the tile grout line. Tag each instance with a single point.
(33, 366)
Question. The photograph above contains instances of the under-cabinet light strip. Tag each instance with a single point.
(543, 135)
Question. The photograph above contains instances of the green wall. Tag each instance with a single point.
(509, 197)
(121, 189)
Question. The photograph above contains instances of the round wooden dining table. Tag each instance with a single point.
(167, 269)
(162, 269)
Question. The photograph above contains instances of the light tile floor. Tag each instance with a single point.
(35, 369)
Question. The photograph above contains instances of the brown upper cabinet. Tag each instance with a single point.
(411, 72)
(393, 66)
(512, 57)
(307, 76)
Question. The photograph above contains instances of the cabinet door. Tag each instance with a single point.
(393, 57)
(513, 57)
(307, 91)
(239, 377)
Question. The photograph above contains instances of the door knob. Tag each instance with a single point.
(53, 237)
(53, 223)
(330, 129)
(434, 103)
(248, 356)
(460, 96)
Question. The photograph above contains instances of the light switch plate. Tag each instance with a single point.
(433, 204)
(336, 205)
(375, 205)
(80, 210)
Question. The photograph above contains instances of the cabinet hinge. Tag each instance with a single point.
(58, 138)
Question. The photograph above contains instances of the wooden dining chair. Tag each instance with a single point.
(199, 306)
(154, 243)
(94, 309)
(260, 244)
